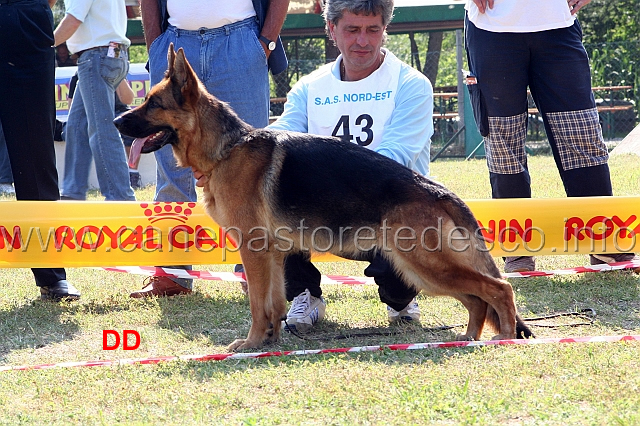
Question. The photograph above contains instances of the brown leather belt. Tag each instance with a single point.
(120, 46)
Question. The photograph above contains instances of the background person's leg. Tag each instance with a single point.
(98, 77)
(77, 152)
(392, 289)
(27, 112)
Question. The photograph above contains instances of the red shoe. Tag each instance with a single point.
(160, 287)
(519, 264)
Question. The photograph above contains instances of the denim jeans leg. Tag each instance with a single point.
(98, 77)
(236, 72)
(77, 152)
(173, 183)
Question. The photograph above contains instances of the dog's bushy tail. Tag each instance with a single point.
(522, 331)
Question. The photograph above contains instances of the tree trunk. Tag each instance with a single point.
(282, 84)
(415, 53)
(433, 56)
(331, 52)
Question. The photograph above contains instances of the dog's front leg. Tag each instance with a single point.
(277, 306)
(266, 297)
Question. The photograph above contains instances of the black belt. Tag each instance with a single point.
(120, 45)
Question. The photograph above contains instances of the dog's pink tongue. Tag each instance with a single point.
(136, 151)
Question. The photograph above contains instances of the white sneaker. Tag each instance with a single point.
(306, 310)
(7, 189)
(411, 313)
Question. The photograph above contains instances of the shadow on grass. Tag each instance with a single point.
(377, 359)
(221, 320)
(330, 334)
(38, 324)
(614, 296)
(35, 325)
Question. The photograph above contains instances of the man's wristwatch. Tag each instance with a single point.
(271, 45)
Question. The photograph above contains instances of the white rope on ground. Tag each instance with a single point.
(253, 355)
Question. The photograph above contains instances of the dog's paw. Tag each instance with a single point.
(244, 344)
(233, 347)
(272, 339)
(238, 345)
(503, 337)
(464, 338)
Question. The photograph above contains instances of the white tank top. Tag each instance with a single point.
(196, 14)
(357, 111)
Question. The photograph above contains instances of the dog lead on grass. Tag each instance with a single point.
(276, 180)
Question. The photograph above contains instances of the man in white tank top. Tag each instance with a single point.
(513, 45)
(371, 98)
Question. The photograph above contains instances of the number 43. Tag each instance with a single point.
(365, 128)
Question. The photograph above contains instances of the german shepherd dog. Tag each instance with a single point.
(305, 190)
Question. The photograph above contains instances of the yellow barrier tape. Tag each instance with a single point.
(83, 234)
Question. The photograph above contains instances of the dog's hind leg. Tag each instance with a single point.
(501, 314)
(266, 298)
(495, 292)
(477, 314)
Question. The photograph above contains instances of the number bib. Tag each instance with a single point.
(356, 111)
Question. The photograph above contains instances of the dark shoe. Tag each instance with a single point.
(160, 287)
(57, 131)
(519, 264)
(65, 198)
(599, 259)
(61, 290)
(135, 180)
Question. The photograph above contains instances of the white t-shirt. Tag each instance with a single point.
(521, 16)
(196, 14)
(103, 21)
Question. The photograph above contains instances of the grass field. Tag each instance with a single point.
(594, 383)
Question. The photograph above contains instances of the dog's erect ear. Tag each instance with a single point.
(171, 57)
(181, 68)
(182, 75)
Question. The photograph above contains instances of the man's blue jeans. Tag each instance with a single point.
(232, 65)
(90, 130)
